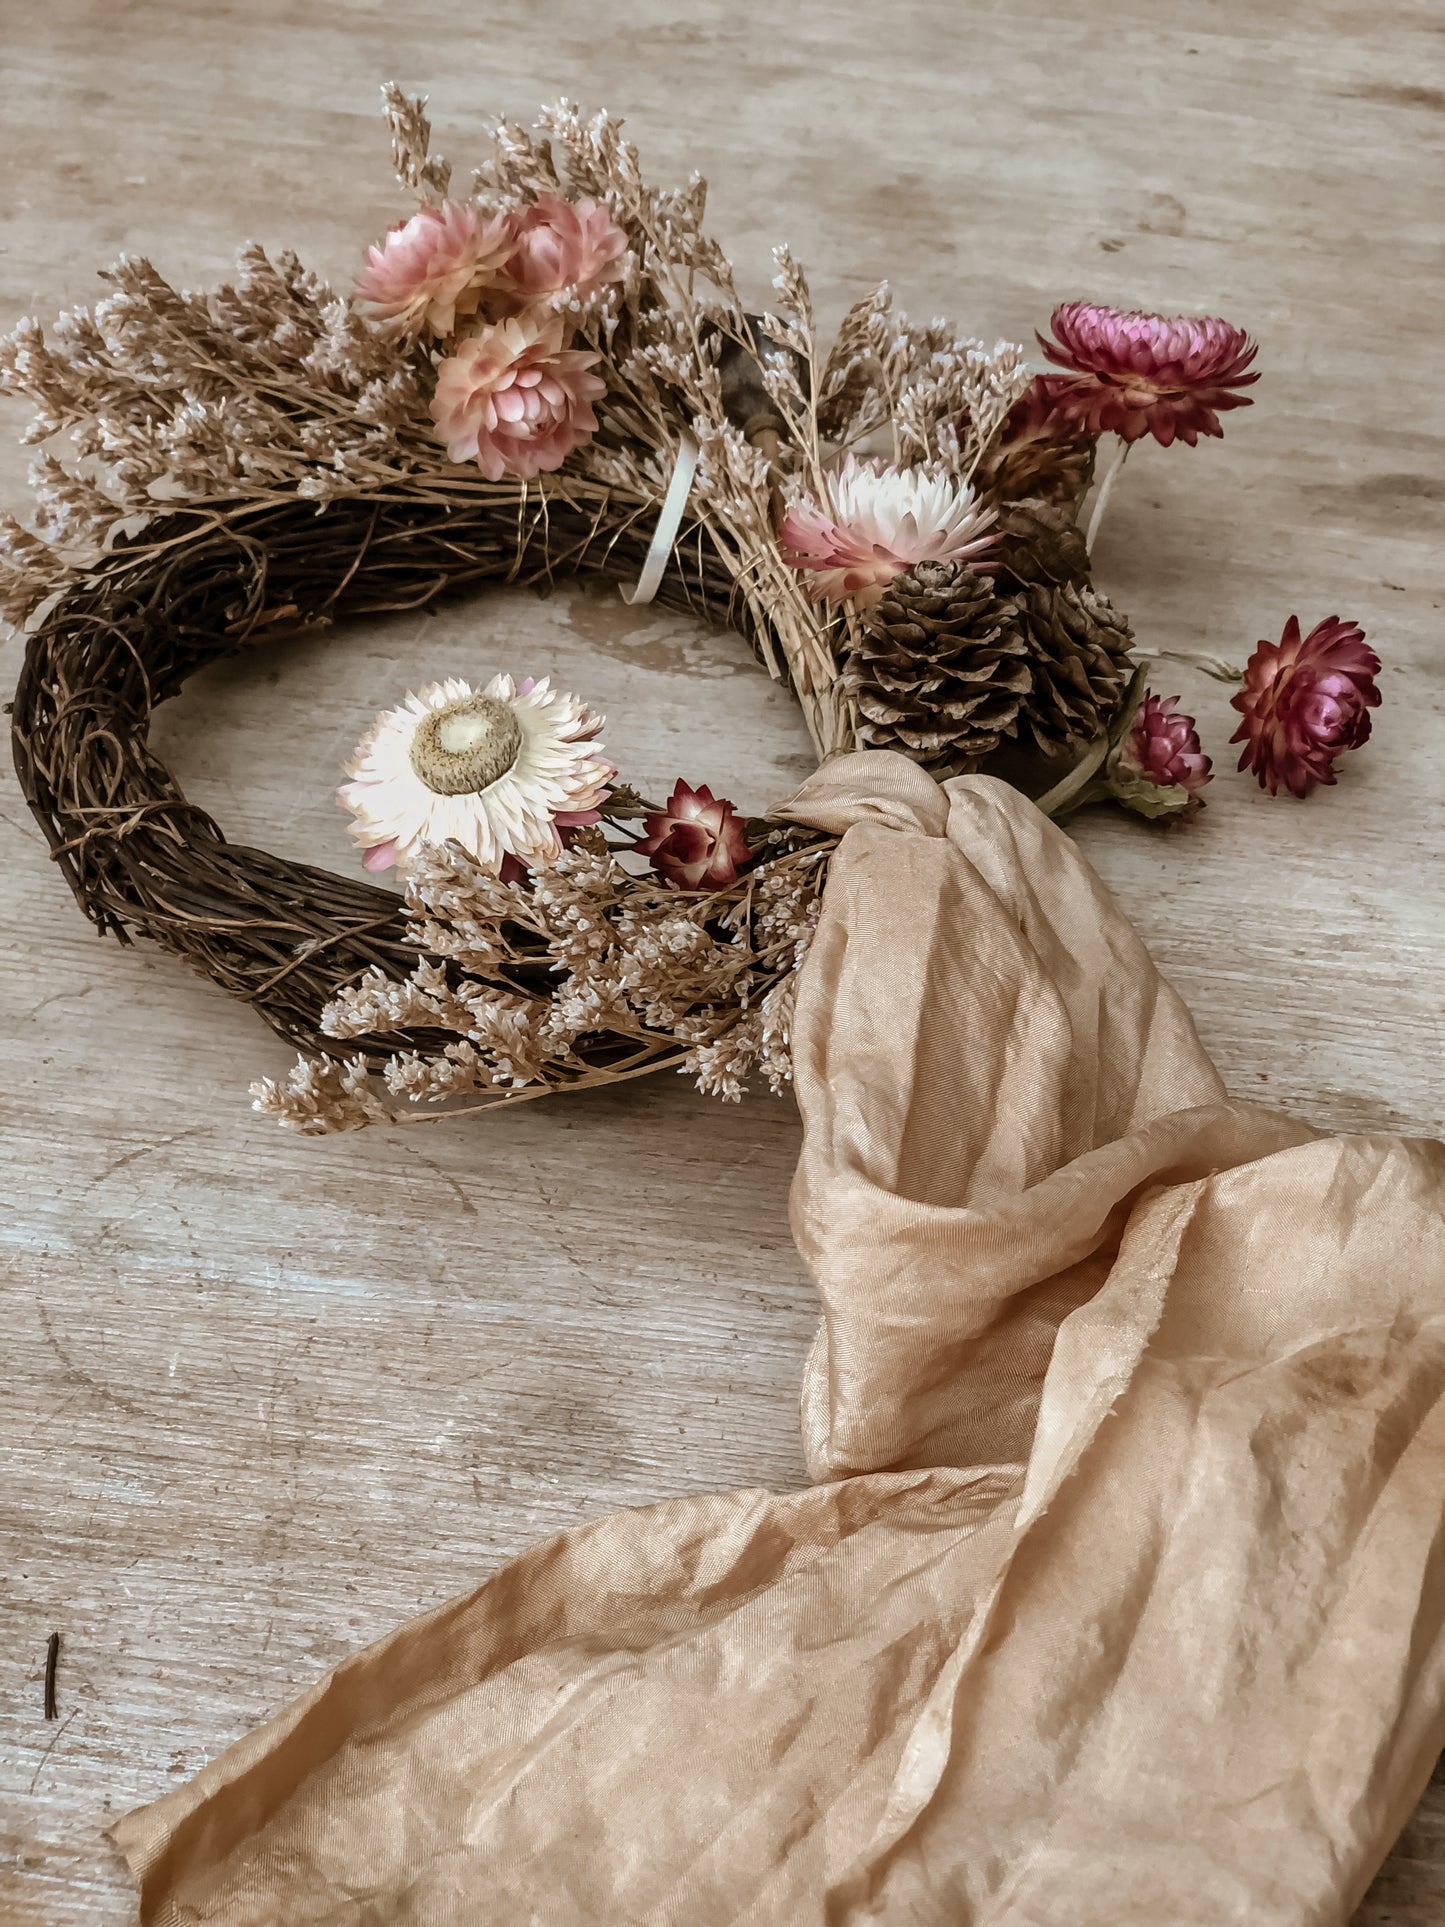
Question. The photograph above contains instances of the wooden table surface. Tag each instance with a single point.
(263, 1398)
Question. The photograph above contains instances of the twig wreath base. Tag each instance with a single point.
(138, 856)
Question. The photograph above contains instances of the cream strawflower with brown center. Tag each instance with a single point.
(499, 770)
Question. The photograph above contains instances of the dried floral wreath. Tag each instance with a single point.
(552, 377)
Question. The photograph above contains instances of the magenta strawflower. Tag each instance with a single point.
(1305, 702)
(1147, 374)
(1039, 415)
(697, 842)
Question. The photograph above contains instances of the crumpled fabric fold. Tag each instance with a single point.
(1119, 1599)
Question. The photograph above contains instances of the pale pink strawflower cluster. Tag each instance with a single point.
(513, 396)
(876, 523)
(457, 259)
(514, 400)
(1138, 374)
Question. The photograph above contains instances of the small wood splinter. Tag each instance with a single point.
(52, 1655)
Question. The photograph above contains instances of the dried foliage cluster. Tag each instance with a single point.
(583, 972)
(273, 390)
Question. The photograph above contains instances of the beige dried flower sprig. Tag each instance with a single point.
(520, 976)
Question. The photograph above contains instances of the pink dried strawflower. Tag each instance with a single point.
(697, 842)
(876, 524)
(562, 248)
(1305, 702)
(1163, 746)
(1148, 374)
(432, 268)
(515, 400)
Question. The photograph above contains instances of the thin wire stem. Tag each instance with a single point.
(1106, 489)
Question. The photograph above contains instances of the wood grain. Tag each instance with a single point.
(263, 1399)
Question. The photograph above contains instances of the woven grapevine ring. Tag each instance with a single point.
(143, 860)
(270, 458)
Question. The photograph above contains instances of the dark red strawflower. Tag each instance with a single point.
(1147, 374)
(1163, 746)
(1037, 415)
(697, 842)
(1039, 451)
(1305, 702)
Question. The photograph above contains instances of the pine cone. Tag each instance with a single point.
(1038, 545)
(940, 672)
(1078, 649)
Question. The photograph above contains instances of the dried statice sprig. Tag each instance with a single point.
(267, 389)
(427, 175)
(274, 388)
(918, 383)
(321, 1095)
(31, 570)
(583, 974)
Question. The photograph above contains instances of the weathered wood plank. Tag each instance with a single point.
(264, 1399)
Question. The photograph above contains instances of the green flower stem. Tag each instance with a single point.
(1210, 665)
(1073, 791)
(1091, 778)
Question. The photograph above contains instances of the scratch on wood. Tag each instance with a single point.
(144, 1151)
(59, 1736)
(75, 1376)
(446, 1177)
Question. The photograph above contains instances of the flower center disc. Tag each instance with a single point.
(465, 746)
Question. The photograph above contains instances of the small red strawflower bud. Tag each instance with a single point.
(1163, 746)
(697, 842)
(1305, 702)
(1146, 374)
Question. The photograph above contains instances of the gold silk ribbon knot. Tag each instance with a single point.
(1119, 1601)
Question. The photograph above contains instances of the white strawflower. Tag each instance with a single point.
(876, 524)
(498, 770)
